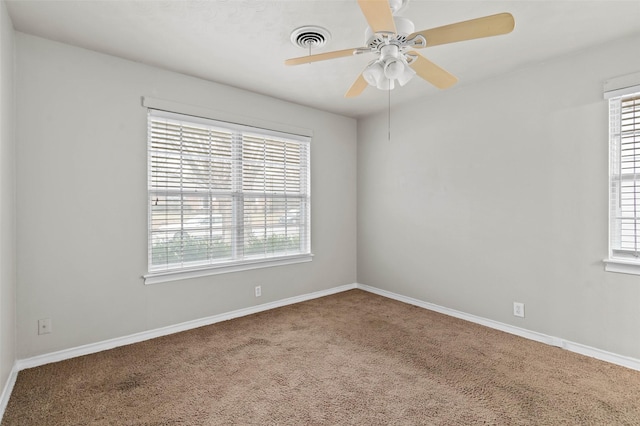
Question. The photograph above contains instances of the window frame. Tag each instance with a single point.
(241, 125)
(619, 259)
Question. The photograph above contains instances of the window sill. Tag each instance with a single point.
(622, 266)
(161, 277)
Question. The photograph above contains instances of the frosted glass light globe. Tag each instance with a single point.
(373, 74)
(393, 69)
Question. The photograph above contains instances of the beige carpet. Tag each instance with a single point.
(351, 358)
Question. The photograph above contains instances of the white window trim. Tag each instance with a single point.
(613, 88)
(621, 266)
(237, 266)
(203, 112)
(162, 277)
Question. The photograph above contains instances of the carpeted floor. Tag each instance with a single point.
(352, 358)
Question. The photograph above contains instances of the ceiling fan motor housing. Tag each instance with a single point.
(404, 27)
(397, 5)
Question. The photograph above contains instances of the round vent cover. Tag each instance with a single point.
(310, 37)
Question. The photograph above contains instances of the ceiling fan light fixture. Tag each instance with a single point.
(393, 69)
(374, 73)
(388, 52)
(385, 84)
(382, 74)
(406, 75)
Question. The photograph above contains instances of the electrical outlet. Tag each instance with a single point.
(258, 291)
(518, 309)
(44, 326)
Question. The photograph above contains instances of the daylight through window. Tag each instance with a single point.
(624, 115)
(223, 194)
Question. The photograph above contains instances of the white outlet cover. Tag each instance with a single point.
(518, 309)
(44, 326)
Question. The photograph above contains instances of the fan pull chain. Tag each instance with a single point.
(389, 113)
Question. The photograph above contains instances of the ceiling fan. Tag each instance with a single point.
(391, 39)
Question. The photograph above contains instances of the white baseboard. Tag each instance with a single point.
(579, 348)
(158, 332)
(8, 388)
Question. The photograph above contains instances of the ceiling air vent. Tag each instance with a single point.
(310, 37)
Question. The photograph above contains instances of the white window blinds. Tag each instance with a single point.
(223, 194)
(624, 136)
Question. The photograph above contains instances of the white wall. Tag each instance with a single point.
(81, 199)
(7, 199)
(497, 192)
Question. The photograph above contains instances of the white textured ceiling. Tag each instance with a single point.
(244, 43)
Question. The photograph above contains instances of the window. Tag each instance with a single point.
(624, 182)
(224, 196)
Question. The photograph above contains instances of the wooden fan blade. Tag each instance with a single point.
(488, 26)
(378, 15)
(357, 87)
(320, 57)
(431, 72)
